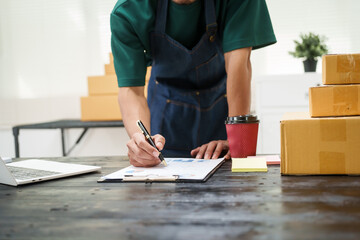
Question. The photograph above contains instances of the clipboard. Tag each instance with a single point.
(188, 170)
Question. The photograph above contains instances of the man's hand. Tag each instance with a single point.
(141, 153)
(212, 150)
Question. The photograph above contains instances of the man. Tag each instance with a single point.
(201, 71)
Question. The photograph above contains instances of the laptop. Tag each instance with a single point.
(36, 170)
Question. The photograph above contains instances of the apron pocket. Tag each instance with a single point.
(180, 125)
(209, 72)
(213, 118)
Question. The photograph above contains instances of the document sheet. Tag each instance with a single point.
(180, 168)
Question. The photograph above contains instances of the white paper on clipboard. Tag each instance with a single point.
(177, 169)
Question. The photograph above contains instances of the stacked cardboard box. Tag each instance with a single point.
(326, 141)
(101, 104)
(339, 96)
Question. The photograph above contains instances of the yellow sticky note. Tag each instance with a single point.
(249, 165)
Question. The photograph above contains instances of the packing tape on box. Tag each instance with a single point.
(332, 131)
(332, 162)
(345, 99)
(348, 63)
(327, 132)
(349, 77)
(348, 67)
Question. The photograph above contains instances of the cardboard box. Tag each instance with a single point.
(334, 100)
(103, 85)
(317, 146)
(100, 108)
(341, 69)
(109, 69)
(108, 85)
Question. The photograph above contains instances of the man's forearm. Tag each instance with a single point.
(133, 106)
(238, 68)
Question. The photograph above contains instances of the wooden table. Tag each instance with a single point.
(228, 206)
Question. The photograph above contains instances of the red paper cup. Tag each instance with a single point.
(242, 132)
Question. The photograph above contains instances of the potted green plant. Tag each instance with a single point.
(310, 47)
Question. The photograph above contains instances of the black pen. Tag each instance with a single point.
(149, 139)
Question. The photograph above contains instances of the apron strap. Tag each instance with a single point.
(161, 15)
(210, 17)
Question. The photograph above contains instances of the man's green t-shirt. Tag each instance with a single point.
(242, 23)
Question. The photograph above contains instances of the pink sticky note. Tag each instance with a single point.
(270, 159)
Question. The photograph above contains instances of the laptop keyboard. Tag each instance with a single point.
(27, 173)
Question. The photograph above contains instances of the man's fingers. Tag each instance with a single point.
(218, 150)
(141, 153)
(210, 149)
(137, 151)
(227, 156)
(132, 158)
(201, 152)
(136, 163)
(194, 151)
(139, 161)
(141, 142)
(159, 141)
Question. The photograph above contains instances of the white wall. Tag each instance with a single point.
(49, 47)
(47, 50)
(338, 20)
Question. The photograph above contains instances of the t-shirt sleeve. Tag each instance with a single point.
(129, 57)
(247, 23)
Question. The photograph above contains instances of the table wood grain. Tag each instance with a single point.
(228, 206)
